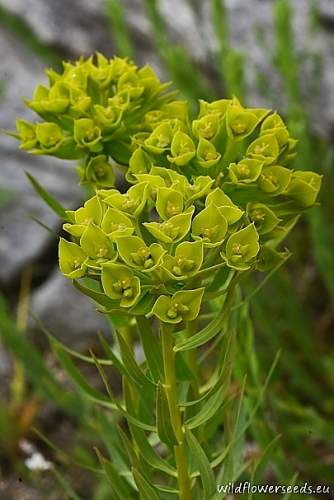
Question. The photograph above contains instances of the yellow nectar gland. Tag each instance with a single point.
(102, 252)
(257, 215)
(243, 170)
(77, 263)
(238, 127)
(260, 149)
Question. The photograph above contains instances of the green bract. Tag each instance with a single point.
(134, 252)
(72, 259)
(119, 283)
(182, 306)
(186, 261)
(241, 248)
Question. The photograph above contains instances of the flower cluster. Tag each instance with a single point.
(91, 111)
(206, 195)
(246, 150)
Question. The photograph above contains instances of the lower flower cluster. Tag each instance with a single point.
(159, 244)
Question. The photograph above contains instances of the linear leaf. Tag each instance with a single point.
(132, 365)
(118, 406)
(151, 348)
(118, 485)
(144, 488)
(207, 333)
(77, 377)
(203, 464)
(149, 454)
(164, 426)
(54, 204)
(98, 297)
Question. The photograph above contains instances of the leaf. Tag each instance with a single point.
(77, 377)
(151, 348)
(164, 426)
(200, 338)
(98, 297)
(118, 486)
(148, 453)
(132, 365)
(208, 410)
(48, 198)
(122, 369)
(202, 462)
(144, 488)
(130, 418)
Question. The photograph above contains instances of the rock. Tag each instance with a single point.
(22, 240)
(84, 29)
(66, 313)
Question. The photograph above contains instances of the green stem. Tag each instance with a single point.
(175, 414)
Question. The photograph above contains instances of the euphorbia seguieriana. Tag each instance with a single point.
(203, 202)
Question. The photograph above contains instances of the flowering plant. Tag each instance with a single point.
(209, 201)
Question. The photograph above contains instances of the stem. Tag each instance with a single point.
(175, 415)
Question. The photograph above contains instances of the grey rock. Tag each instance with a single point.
(21, 239)
(84, 29)
(66, 313)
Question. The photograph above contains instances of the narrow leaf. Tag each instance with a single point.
(164, 426)
(47, 197)
(202, 462)
(144, 488)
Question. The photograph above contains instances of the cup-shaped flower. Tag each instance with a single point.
(154, 181)
(115, 224)
(101, 75)
(72, 259)
(130, 82)
(264, 218)
(182, 149)
(169, 202)
(274, 179)
(215, 107)
(241, 248)
(100, 172)
(108, 118)
(160, 139)
(246, 171)
(139, 163)
(96, 244)
(228, 209)
(209, 226)
(131, 202)
(91, 212)
(182, 306)
(200, 188)
(50, 136)
(173, 230)
(87, 134)
(120, 283)
(274, 124)
(120, 100)
(304, 188)
(207, 156)
(135, 253)
(241, 122)
(186, 262)
(47, 101)
(27, 134)
(206, 127)
(265, 148)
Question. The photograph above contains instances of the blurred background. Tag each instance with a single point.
(273, 53)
